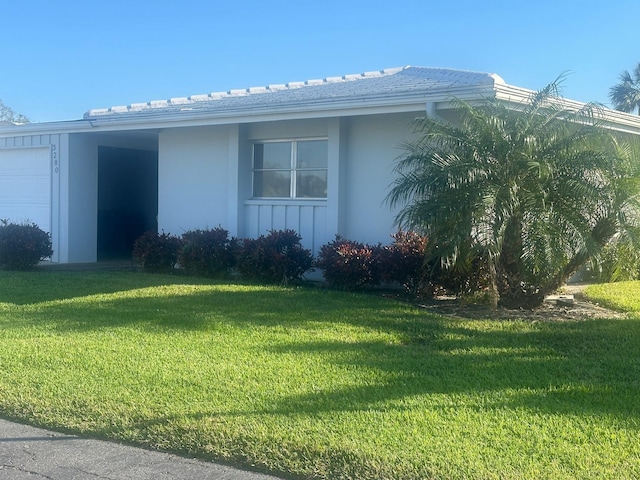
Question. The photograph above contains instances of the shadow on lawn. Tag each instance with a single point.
(192, 307)
(577, 369)
(583, 367)
(45, 285)
(590, 366)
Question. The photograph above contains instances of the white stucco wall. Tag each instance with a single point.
(81, 199)
(205, 179)
(372, 148)
(194, 188)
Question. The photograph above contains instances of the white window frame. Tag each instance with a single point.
(292, 167)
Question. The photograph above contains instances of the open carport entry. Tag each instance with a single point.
(127, 199)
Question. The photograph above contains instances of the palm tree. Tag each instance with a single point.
(536, 191)
(625, 96)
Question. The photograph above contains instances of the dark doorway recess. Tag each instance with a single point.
(127, 199)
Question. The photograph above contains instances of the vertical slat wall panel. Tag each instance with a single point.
(279, 217)
(321, 235)
(306, 228)
(292, 218)
(309, 220)
(265, 218)
(251, 221)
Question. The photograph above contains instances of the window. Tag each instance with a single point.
(291, 169)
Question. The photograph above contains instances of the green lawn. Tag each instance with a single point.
(623, 296)
(308, 383)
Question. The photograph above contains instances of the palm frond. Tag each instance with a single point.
(625, 95)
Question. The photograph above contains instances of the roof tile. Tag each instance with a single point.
(373, 84)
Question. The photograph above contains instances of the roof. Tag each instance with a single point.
(393, 90)
(387, 83)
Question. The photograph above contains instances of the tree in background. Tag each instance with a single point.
(534, 192)
(7, 114)
(625, 96)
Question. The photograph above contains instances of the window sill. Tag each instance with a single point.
(321, 202)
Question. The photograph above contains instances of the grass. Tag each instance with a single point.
(623, 296)
(308, 383)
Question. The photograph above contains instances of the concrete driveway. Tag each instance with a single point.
(33, 453)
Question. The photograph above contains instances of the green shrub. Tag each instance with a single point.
(208, 253)
(618, 261)
(349, 265)
(468, 276)
(22, 246)
(157, 252)
(275, 258)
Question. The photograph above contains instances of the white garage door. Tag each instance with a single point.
(25, 186)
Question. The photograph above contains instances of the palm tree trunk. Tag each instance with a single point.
(602, 233)
(509, 269)
(494, 295)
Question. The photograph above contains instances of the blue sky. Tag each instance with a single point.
(61, 58)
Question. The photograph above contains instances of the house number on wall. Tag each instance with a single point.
(54, 157)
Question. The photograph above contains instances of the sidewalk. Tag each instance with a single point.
(33, 453)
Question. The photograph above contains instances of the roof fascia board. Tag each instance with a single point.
(180, 121)
(267, 113)
(613, 119)
(352, 107)
(204, 119)
(46, 128)
(517, 96)
(366, 105)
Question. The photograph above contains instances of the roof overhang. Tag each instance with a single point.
(320, 108)
(518, 97)
(354, 106)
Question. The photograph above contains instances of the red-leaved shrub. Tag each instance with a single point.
(277, 257)
(403, 261)
(349, 265)
(208, 253)
(157, 252)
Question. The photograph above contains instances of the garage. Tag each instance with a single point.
(25, 185)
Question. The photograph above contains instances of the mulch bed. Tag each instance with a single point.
(581, 309)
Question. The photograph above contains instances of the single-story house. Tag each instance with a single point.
(314, 156)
